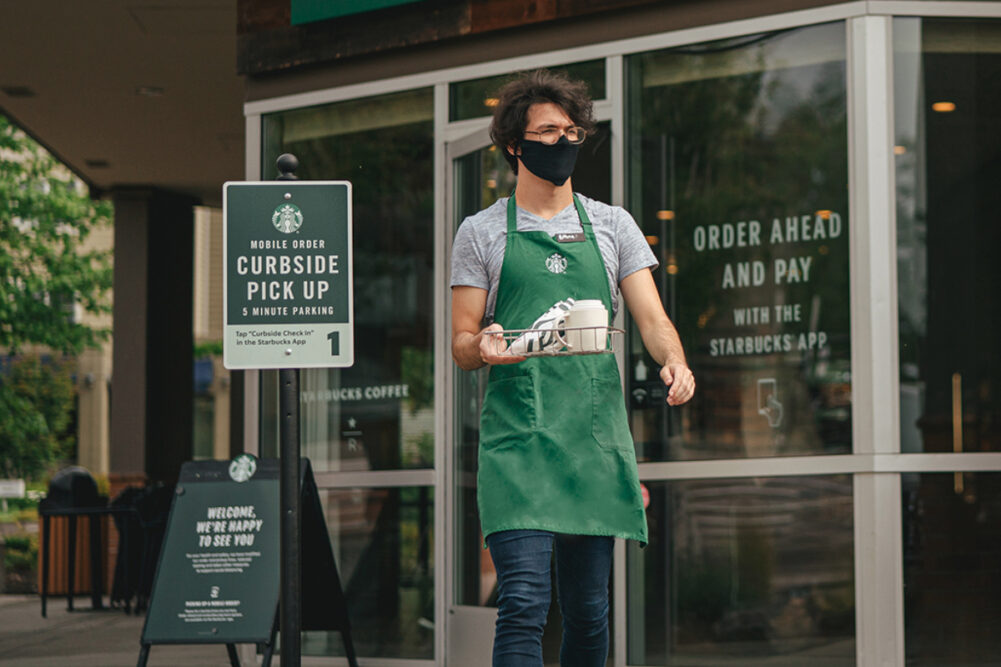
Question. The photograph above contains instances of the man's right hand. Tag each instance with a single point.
(473, 347)
(493, 348)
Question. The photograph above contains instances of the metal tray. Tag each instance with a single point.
(559, 348)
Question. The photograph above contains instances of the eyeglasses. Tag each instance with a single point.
(549, 136)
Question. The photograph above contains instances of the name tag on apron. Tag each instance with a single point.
(577, 237)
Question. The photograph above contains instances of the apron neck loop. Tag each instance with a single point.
(512, 216)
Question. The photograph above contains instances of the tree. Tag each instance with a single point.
(47, 273)
(36, 404)
(48, 277)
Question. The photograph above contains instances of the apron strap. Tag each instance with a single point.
(512, 216)
(585, 221)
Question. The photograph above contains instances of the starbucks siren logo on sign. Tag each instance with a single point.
(242, 468)
(287, 218)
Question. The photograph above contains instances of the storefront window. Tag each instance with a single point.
(379, 413)
(952, 583)
(383, 543)
(948, 165)
(737, 173)
(755, 571)
(477, 97)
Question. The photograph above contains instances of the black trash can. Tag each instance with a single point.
(70, 488)
(72, 493)
(140, 530)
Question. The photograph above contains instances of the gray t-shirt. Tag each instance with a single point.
(478, 249)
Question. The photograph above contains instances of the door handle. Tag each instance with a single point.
(957, 427)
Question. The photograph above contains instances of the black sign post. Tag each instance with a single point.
(288, 407)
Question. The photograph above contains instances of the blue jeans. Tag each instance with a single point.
(583, 565)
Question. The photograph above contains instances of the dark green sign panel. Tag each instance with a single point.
(288, 274)
(217, 581)
(308, 11)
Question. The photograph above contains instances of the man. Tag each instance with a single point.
(557, 466)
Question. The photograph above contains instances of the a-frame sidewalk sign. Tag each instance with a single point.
(218, 577)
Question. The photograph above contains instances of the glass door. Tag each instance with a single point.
(369, 429)
(477, 177)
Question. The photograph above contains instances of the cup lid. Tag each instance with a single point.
(588, 303)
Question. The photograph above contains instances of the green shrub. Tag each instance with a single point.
(17, 561)
(21, 503)
(18, 542)
(21, 553)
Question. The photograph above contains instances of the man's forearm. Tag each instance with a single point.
(664, 344)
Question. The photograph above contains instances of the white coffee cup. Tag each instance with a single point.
(587, 326)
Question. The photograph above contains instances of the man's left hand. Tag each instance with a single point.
(681, 381)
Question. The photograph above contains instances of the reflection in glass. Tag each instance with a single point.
(476, 98)
(744, 572)
(479, 179)
(203, 446)
(948, 166)
(952, 582)
(379, 413)
(738, 176)
(384, 547)
(203, 432)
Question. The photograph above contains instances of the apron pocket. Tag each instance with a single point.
(608, 419)
(508, 411)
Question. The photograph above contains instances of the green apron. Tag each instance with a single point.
(555, 449)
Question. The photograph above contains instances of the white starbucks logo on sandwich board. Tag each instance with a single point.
(287, 218)
(556, 263)
(242, 468)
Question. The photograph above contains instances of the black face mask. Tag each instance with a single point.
(553, 162)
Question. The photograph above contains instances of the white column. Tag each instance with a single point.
(879, 614)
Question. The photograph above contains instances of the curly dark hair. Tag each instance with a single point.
(540, 86)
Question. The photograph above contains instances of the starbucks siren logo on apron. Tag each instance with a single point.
(556, 263)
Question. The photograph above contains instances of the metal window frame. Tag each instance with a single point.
(879, 605)
(876, 464)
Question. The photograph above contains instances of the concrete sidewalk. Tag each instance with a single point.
(86, 638)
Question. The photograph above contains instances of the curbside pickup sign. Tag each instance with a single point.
(287, 284)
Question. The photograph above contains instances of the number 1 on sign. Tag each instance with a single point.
(335, 343)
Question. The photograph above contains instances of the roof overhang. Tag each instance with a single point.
(128, 92)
